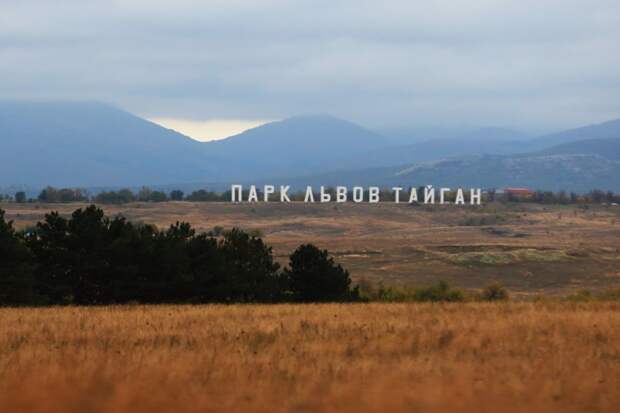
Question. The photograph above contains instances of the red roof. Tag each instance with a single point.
(518, 190)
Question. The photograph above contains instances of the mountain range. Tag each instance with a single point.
(89, 144)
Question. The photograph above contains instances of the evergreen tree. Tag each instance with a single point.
(16, 277)
(176, 195)
(314, 276)
(20, 197)
(249, 269)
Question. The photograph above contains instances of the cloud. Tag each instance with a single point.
(526, 63)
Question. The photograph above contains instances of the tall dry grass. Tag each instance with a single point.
(351, 358)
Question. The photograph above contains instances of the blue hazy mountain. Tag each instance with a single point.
(605, 130)
(497, 141)
(436, 149)
(92, 144)
(407, 136)
(299, 145)
(607, 148)
(574, 166)
(97, 145)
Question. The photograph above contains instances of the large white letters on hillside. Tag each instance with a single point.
(269, 189)
(253, 197)
(325, 197)
(358, 194)
(476, 197)
(341, 194)
(284, 193)
(372, 195)
(396, 191)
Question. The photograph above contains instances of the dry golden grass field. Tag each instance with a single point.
(533, 356)
(530, 249)
(506, 357)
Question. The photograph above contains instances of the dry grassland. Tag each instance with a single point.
(530, 249)
(508, 357)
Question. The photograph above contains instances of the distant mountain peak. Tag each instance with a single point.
(603, 130)
(77, 143)
(90, 144)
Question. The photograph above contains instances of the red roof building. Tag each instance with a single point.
(519, 191)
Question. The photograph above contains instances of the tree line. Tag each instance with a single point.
(91, 259)
(595, 196)
(146, 194)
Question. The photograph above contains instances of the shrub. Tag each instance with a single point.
(581, 295)
(255, 232)
(612, 294)
(439, 292)
(217, 231)
(494, 292)
(490, 219)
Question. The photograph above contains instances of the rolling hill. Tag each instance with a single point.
(608, 148)
(605, 130)
(408, 136)
(88, 144)
(497, 141)
(92, 144)
(576, 166)
(299, 145)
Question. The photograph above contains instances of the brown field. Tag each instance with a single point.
(550, 355)
(530, 249)
(509, 357)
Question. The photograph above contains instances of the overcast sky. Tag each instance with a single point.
(528, 64)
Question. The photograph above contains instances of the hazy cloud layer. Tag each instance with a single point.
(529, 64)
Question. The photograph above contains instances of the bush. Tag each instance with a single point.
(399, 293)
(494, 292)
(612, 294)
(439, 292)
(581, 295)
(490, 219)
(394, 294)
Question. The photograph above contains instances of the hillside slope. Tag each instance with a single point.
(605, 130)
(577, 166)
(299, 145)
(90, 144)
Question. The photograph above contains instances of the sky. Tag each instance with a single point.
(216, 67)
